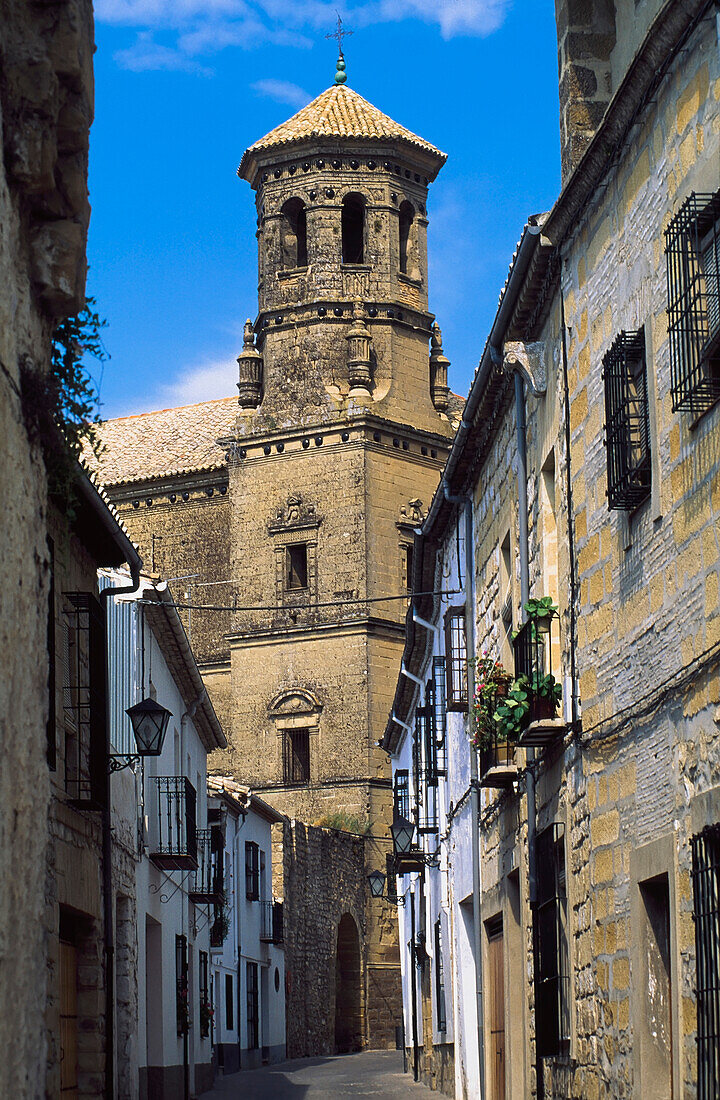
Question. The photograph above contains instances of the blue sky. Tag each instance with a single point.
(183, 86)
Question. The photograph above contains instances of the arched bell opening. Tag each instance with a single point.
(293, 234)
(353, 229)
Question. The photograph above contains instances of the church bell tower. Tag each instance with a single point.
(344, 421)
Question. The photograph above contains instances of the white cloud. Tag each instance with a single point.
(212, 379)
(203, 27)
(282, 91)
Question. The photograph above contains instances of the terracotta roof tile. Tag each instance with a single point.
(338, 112)
(165, 443)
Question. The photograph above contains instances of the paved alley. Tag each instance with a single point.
(372, 1073)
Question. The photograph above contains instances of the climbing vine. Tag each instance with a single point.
(60, 405)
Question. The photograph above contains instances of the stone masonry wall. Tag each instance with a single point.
(46, 95)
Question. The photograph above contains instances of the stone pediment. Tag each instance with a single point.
(295, 701)
(295, 513)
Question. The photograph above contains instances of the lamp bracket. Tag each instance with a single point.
(118, 761)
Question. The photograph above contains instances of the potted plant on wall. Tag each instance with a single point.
(546, 695)
(492, 685)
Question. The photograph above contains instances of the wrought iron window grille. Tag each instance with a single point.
(253, 1003)
(552, 977)
(271, 924)
(207, 882)
(182, 990)
(456, 670)
(706, 915)
(439, 979)
(252, 871)
(440, 713)
(692, 249)
(206, 1014)
(532, 649)
(627, 422)
(401, 794)
(84, 701)
(173, 839)
(296, 757)
(425, 772)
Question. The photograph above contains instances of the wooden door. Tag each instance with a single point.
(496, 981)
(68, 1021)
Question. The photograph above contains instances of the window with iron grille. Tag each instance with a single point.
(456, 677)
(706, 913)
(439, 711)
(627, 423)
(552, 979)
(425, 771)
(439, 979)
(252, 871)
(205, 1013)
(253, 1006)
(401, 794)
(52, 655)
(182, 992)
(296, 757)
(84, 700)
(692, 248)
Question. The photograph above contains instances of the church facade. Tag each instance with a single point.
(284, 520)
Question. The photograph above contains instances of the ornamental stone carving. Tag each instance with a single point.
(529, 359)
(359, 341)
(439, 363)
(295, 513)
(250, 371)
(411, 514)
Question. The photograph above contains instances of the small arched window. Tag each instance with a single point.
(293, 234)
(353, 230)
(407, 213)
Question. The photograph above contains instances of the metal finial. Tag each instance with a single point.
(339, 34)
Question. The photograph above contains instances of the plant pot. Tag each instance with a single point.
(502, 687)
(542, 708)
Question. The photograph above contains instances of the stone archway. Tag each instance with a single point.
(348, 988)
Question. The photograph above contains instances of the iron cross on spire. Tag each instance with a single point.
(339, 34)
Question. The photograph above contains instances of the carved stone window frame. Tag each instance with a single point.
(297, 708)
(295, 524)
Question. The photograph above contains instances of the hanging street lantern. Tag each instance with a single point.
(376, 879)
(149, 722)
(402, 835)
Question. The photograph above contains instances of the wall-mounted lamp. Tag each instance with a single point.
(149, 722)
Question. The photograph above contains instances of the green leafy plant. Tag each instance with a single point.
(512, 713)
(60, 405)
(206, 1017)
(492, 682)
(546, 687)
(541, 607)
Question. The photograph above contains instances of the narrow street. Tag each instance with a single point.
(372, 1073)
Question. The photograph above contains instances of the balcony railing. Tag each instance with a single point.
(533, 648)
(497, 763)
(207, 883)
(173, 832)
(271, 930)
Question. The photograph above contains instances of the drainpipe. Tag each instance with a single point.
(413, 990)
(524, 597)
(474, 777)
(186, 717)
(135, 564)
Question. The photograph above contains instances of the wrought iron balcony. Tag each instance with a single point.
(533, 665)
(173, 832)
(497, 762)
(207, 884)
(271, 930)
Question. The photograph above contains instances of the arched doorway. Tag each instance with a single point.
(348, 1010)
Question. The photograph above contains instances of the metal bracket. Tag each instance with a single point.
(118, 761)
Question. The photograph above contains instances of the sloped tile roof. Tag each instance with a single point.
(338, 112)
(165, 443)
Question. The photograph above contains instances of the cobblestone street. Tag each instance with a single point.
(372, 1073)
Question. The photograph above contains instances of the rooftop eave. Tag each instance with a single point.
(254, 161)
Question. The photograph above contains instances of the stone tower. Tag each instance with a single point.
(292, 510)
(342, 429)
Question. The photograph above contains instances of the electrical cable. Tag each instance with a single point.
(308, 606)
